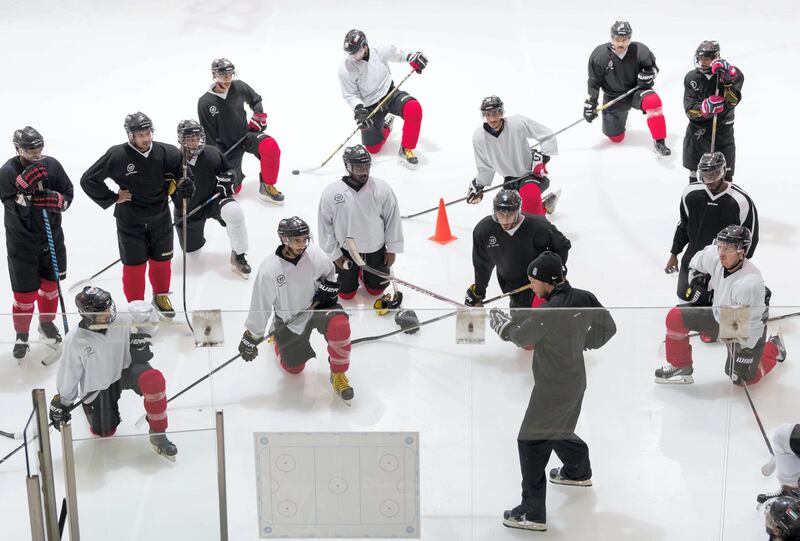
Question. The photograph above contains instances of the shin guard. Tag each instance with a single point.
(160, 275)
(337, 334)
(47, 300)
(651, 105)
(679, 350)
(412, 121)
(22, 310)
(154, 390)
(270, 154)
(133, 281)
(531, 199)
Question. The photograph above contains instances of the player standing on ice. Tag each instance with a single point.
(560, 338)
(507, 241)
(365, 79)
(721, 275)
(706, 207)
(786, 446)
(287, 282)
(30, 182)
(212, 174)
(144, 170)
(713, 88)
(223, 117)
(615, 68)
(501, 146)
(105, 355)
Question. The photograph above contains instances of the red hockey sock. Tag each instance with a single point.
(270, 159)
(651, 105)
(337, 334)
(133, 281)
(154, 390)
(617, 138)
(47, 300)
(679, 350)
(412, 120)
(531, 198)
(768, 360)
(22, 310)
(160, 274)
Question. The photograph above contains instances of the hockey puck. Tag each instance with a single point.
(295, 171)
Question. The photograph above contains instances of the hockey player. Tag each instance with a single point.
(507, 241)
(144, 170)
(713, 88)
(288, 282)
(105, 355)
(364, 208)
(733, 281)
(615, 68)
(365, 79)
(29, 183)
(501, 145)
(223, 117)
(783, 518)
(560, 337)
(706, 207)
(786, 446)
(212, 174)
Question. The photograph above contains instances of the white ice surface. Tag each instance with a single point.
(666, 463)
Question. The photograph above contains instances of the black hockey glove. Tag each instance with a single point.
(185, 188)
(417, 61)
(539, 164)
(646, 78)
(59, 413)
(140, 347)
(501, 323)
(475, 192)
(474, 296)
(407, 320)
(360, 114)
(248, 347)
(32, 175)
(327, 294)
(225, 184)
(589, 110)
(697, 293)
(744, 365)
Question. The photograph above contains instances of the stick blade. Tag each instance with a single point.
(78, 284)
(350, 243)
(768, 468)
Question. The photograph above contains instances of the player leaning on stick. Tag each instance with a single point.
(365, 79)
(287, 283)
(30, 182)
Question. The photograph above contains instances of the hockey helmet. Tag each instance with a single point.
(96, 307)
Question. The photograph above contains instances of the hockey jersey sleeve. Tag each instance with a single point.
(485, 173)
(59, 181)
(324, 269)
(252, 98)
(751, 223)
(173, 161)
(645, 58)
(348, 83)
(681, 237)
(556, 241)
(93, 181)
(692, 97)
(70, 372)
(325, 227)
(392, 53)
(704, 262)
(481, 262)
(733, 91)
(392, 223)
(209, 124)
(540, 132)
(595, 81)
(261, 302)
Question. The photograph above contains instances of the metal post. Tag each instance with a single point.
(223, 498)
(46, 465)
(69, 481)
(35, 508)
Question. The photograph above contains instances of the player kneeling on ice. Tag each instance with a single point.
(721, 275)
(298, 283)
(106, 355)
(212, 174)
(786, 446)
(560, 338)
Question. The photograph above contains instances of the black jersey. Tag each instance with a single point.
(25, 230)
(144, 176)
(614, 75)
(697, 86)
(209, 164)
(704, 215)
(492, 247)
(224, 119)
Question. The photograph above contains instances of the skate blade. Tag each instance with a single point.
(550, 201)
(572, 483)
(533, 526)
(406, 164)
(159, 453)
(271, 201)
(683, 380)
(53, 356)
(237, 272)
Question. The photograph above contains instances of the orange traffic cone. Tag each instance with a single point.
(442, 234)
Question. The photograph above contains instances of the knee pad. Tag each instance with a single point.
(617, 138)
(24, 302)
(374, 292)
(347, 295)
(338, 329)
(48, 288)
(676, 328)
(231, 212)
(337, 334)
(650, 102)
(374, 149)
(293, 369)
(412, 110)
(531, 198)
(268, 148)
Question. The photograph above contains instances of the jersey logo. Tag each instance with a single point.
(213, 110)
(131, 170)
(610, 65)
(492, 242)
(88, 351)
(693, 84)
(338, 198)
(281, 279)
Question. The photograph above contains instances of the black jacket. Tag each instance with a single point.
(224, 119)
(616, 76)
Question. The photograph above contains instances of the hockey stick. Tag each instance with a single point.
(352, 248)
(770, 320)
(433, 320)
(54, 262)
(529, 175)
(237, 143)
(768, 468)
(714, 122)
(194, 211)
(383, 102)
(185, 233)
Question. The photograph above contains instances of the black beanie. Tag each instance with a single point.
(794, 440)
(547, 268)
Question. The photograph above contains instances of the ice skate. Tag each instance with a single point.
(21, 346)
(341, 386)
(163, 305)
(517, 518)
(407, 158)
(239, 265)
(550, 201)
(661, 148)
(49, 332)
(557, 478)
(672, 374)
(163, 446)
(777, 339)
(270, 194)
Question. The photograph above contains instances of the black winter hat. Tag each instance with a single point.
(547, 267)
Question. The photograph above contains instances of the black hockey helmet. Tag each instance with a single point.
(711, 167)
(783, 518)
(354, 41)
(547, 267)
(28, 139)
(222, 66)
(492, 103)
(137, 121)
(621, 29)
(507, 200)
(191, 137)
(706, 49)
(357, 157)
(738, 235)
(96, 307)
(293, 227)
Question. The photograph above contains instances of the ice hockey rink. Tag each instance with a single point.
(669, 462)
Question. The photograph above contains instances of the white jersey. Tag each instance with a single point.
(744, 287)
(370, 215)
(509, 154)
(366, 82)
(287, 288)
